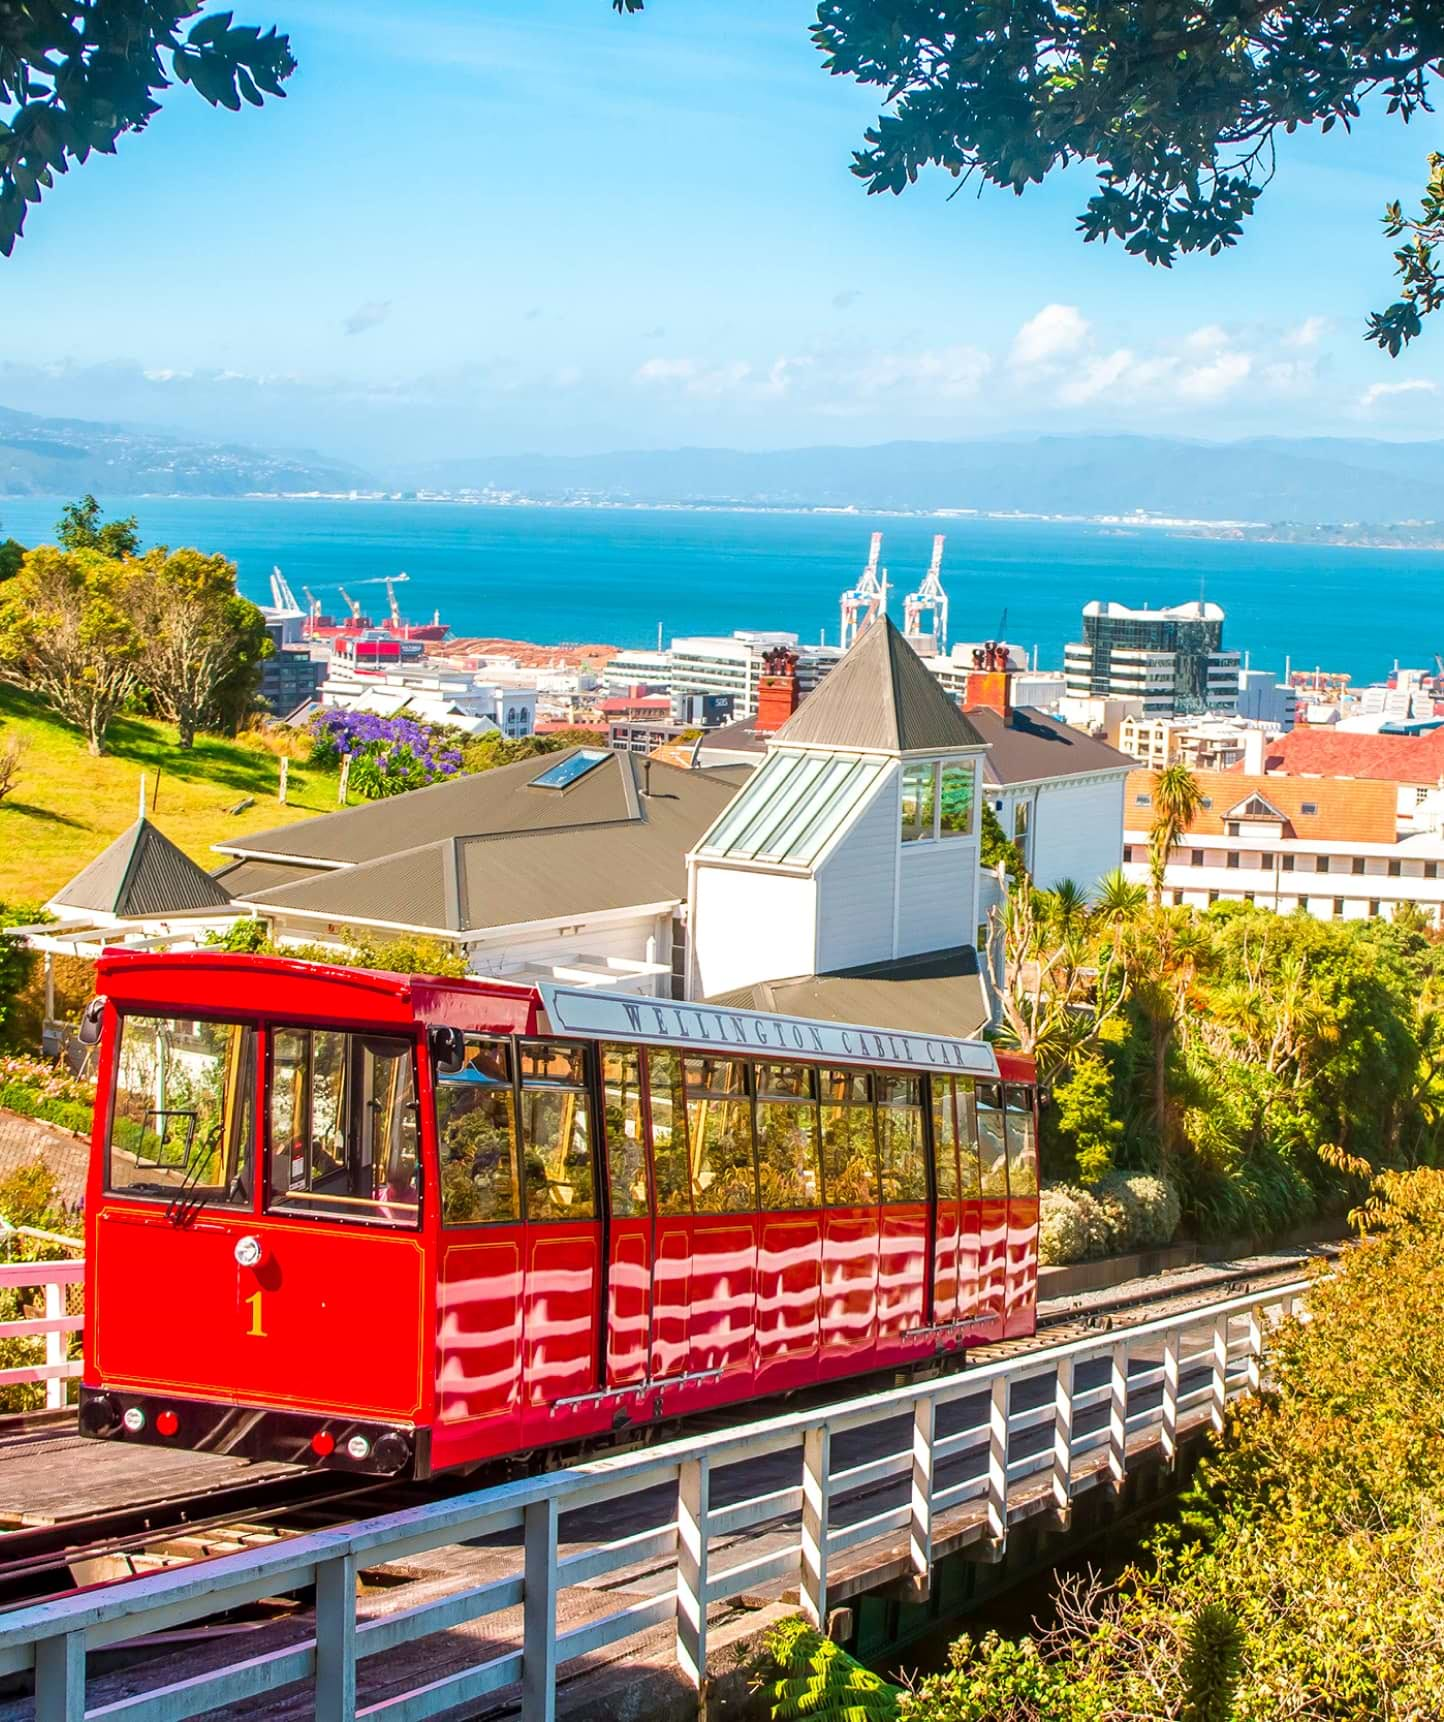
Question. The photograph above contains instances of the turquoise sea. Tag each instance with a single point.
(576, 574)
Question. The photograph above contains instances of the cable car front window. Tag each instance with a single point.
(343, 1127)
(183, 1119)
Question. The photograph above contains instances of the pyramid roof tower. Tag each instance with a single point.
(142, 874)
(880, 698)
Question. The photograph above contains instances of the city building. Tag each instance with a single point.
(1263, 698)
(843, 879)
(1412, 764)
(1041, 688)
(1330, 846)
(1200, 743)
(430, 693)
(731, 665)
(1172, 659)
(291, 675)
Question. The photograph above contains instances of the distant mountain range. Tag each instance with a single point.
(1302, 480)
(1319, 479)
(65, 457)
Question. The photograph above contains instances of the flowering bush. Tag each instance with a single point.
(1071, 1226)
(388, 755)
(40, 1090)
(1124, 1211)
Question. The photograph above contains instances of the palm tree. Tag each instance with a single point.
(1066, 905)
(1177, 800)
(1117, 898)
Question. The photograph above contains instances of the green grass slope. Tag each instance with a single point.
(66, 806)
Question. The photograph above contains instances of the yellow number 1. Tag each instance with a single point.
(255, 1331)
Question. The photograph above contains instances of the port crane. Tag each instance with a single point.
(932, 600)
(282, 597)
(866, 601)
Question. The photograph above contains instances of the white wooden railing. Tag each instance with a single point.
(1023, 1448)
(54, 1327)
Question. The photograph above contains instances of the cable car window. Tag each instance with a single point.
(992, 1154)
(556, 1132)
(945, 1138)
(970, 1182)
(626, 1148)
(849, 1140)
(900, 1138)
(719, 1130)
(671, 1173)
(183, 1118)
(476, 1137)
(343, 1126)
(1022, 1141)
(787, 1136)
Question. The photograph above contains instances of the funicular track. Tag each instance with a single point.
(43, 1561)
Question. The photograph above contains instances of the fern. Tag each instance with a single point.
(817, 1680)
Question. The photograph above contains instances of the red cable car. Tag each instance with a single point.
(396, 1224)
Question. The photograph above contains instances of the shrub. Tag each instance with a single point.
(388, 755)
(814, 1678)
(1071, 1226)
(1001, 1680)
(1140, 1210)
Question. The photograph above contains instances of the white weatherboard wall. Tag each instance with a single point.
(937, 900)
(1076, 827)
(750, 927)
(855, 886)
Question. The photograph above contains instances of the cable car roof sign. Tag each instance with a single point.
(717, 1028)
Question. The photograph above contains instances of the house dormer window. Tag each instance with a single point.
(937, 801)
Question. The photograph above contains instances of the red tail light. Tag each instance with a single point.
(166, 1423)
(322, 1444)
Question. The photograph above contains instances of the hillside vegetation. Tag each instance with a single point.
(67, 805)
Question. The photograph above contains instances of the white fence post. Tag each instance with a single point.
(1171, 1345)
(920, 1535)
(1255, 1348)
(1220, 1371)
(998, 1461)
(60, 1678)
(1118, 1416)
(1063, 1442)
(54, 1346)
(693, 1508)
(816, 1462)
(336, 1639)
(539, 1611)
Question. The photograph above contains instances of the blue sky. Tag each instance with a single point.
(476, 227)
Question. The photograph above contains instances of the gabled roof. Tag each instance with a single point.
(935, 992)
(880, 698)
(142, 874)
(469, 881)
(1255, 807)
(1324, 809)
(1030, 746)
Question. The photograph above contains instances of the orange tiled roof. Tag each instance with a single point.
(1415, 759)
(1345, 810)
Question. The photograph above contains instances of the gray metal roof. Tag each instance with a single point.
(468, 881)
(1030, 746)
(488, 802)
(936, 992)
(792, 807)
(142, 873)
(880, 698)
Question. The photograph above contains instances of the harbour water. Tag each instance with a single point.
(614, 575)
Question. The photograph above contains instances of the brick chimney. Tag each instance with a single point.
(990, 681)
(776, 690)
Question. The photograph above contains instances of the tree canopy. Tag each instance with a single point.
(80, 527)
(1176, 107)
(77, 75)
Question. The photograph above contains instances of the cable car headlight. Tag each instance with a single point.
(249, 1251)
(134, 1420)
(358, 1447)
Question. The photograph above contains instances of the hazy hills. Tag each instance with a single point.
(65, 457)
(1318, 480)
(1263, 479)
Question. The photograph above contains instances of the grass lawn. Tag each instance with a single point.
(66, 806)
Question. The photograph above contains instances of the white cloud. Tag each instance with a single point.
(1100, 375)
(1055, 331)
(1308, 333)
(1377, 392)
(706, 381)
(948, 373)
(1220, 377)
(1207, 339)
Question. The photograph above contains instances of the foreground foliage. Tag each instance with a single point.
(1265, 1065)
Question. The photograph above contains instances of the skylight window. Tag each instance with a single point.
(567, 771)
